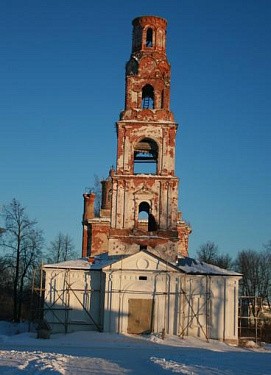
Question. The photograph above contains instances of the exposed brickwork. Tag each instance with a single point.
(146, 134)
(99, 237)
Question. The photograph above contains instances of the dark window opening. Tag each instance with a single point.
(143, 278)
(142, 247)
(146, 157)
(148, 97)
(149, 38)
(152, 226)
(144, 208)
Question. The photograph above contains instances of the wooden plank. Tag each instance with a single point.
(139, 316)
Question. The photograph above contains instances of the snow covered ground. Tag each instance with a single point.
(100, 353)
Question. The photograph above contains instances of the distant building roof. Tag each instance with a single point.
(195, 267)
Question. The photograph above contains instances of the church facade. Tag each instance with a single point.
(135, 275)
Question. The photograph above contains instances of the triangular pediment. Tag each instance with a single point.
(142, 261)
(144, 191)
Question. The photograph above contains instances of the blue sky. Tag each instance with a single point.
(62, 89)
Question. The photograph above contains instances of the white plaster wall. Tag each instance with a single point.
(210, 308)
(124, 285)
(67, 294)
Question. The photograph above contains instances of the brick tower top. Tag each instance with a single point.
(149, 34)
(147, 93)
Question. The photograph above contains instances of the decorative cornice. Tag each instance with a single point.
(150, 20)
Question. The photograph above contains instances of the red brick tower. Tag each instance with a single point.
(140, 199)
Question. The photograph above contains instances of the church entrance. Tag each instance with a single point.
(139, 316)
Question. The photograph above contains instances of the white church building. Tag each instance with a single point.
(142, 293)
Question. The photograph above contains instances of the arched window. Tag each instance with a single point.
(146, 157)
(144, 214)
(149, 38)
(143, 211)
(148, 97)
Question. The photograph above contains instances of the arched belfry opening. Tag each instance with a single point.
(144, 214)
(149, 37)
(146, 156)
(148, 97)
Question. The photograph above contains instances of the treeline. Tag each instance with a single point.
(254, 265)
(23, 249)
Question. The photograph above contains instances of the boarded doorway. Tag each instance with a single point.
(139, 316)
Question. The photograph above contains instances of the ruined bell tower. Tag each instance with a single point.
(139, 208)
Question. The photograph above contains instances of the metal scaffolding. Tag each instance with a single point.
(250, 320)
(59, 311)
(190, 312)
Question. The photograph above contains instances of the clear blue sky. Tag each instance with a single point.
(62, 89)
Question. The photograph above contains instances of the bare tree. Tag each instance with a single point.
(22, 243)
(224, 261)
(267, 270)
(6, 289)
(256, 269)
(5, 275)
(208, 253)
(61, 249)
(247, 263)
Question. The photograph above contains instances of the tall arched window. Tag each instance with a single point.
(146, 157)
(145, 214)
(148, 97)
(149, 38)
(143, 211)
